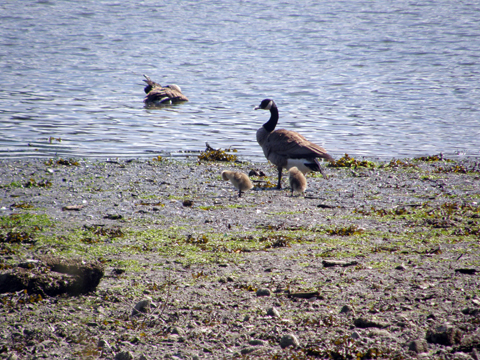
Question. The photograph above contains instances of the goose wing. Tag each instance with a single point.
(174, 94)
(293, 145)
(163, 94)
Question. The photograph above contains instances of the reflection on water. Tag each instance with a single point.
(394, 79)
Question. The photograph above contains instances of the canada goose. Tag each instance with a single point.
(162, 95)
(286, 148)
(238, 179)
(298, 182)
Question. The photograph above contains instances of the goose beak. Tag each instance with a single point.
(256, 108)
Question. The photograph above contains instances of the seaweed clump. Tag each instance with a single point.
(350, 162)
(432, 158)
(459, 169)
(69, 162)
(211, 154)
(346, 231)
(397, 163)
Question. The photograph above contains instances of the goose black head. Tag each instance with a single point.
(265, 105)
(148, 88)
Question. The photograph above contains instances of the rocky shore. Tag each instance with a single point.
(160, 259)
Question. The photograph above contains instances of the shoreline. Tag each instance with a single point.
(399, 234)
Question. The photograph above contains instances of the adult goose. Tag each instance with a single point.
(162, 95)
(286, 148)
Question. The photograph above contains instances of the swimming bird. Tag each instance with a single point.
(286, 148)
(240, 180)
(298, 182)
(162, 95)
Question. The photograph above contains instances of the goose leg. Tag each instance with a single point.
(239, 193)
(279, 185)
(320, 169)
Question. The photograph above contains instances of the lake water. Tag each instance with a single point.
(368, 78)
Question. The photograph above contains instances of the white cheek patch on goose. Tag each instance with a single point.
(269, 106)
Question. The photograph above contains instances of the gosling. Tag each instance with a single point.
(298, 182)
(240, 180)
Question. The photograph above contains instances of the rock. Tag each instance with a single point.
(141, 307)
(330, 263)
(113, 217)
(379, 333)
(257, 342)
(365, 323)
(177, 331)
(355, 335)
(419, 346)
(475, 354)
(289, 340)
(471, 311)
(346, 309)
(247, 350)
(104, 345)
(263, 292)
(470, 342)
(124, 355)
(12, 357)
(29, 263)
(444, 335)
(461, 356)
(143, 357)
(305, 295)
(54, 276)
(273, 312)
(187, 203)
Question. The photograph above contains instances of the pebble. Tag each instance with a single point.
(444, 335)
(177, 331)
(124, 355)
(346, 309)
(475, 354)
(380, 333)
(104, 345)
(263, 292)
(247, 350)
(289, 340)
(141, 307)
(273, 312)
(355, 335)
(365, 323)
(419, 346)
(461, 356)
(257, 342)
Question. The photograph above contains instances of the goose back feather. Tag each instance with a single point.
(162, 95)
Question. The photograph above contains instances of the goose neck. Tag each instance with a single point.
(272, 123)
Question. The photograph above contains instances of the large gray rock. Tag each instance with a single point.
(289, 340)
(444, 335)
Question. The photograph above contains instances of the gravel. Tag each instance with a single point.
(375, 262)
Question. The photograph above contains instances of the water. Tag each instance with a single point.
(368, 78)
